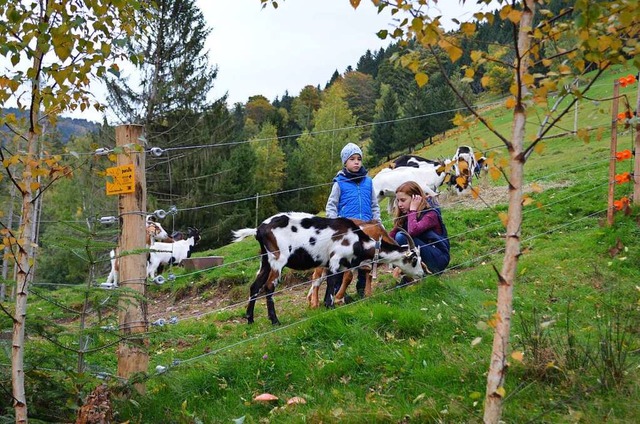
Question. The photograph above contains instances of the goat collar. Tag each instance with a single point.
(376, 258)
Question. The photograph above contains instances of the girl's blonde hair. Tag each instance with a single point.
(410, 188)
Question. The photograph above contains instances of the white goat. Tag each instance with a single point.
(154, 232)
(171, 253)
(427, 175)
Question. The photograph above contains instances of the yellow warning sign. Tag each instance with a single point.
(120, 180)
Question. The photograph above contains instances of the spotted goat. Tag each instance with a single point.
(303, 241)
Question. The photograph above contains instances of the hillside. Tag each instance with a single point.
(413, 354)
(66, 127)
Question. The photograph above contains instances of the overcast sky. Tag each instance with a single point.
(267, 51)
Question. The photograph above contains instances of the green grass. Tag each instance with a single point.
(417, 354)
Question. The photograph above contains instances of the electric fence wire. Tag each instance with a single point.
(567, 171)
(176, 363)
(304, 283)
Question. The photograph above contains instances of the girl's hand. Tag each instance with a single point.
(415, 202)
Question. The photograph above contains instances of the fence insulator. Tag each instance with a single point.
(103, 151)
(108, 220)
(159, 280)
(628, 80)
(623, 155)
(621, 204)
(157, 151)
(625, 177)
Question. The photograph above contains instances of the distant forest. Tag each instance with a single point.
(65, 127)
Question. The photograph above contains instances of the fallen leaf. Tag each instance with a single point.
(296, 400)
(265, 397)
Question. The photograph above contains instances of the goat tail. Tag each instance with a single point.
(239, 235)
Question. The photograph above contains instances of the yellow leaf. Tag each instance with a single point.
(539, 148)
(34, 186)
(485, 80)
(514, 16)
(504, 12)
(476, 55)
(527, 79)
(504, 218)
(564, 69)
(517, 355)
(510, 103)
(469, 73)
(501, 391)
(494, 173)
(458, 120)
(421, 79)
(475, 192)
(414, 66)
(452, 50)
(468, 29)
(526, 200)
(537, 188)
(583, 134)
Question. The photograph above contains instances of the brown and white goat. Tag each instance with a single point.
(303, 241)
(373, 229)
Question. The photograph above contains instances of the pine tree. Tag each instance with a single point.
(384, 131)
(174, 69)
(170, 100)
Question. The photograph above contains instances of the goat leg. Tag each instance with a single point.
(251, 307)
(346, 280)
(331, 284)
(271, 308)
(367, 287)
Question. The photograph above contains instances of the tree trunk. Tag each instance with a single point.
(5, 262)
(498, 366)
(24, 264)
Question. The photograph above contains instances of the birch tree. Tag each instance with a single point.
(53, 51)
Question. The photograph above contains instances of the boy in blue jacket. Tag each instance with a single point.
(352, 196)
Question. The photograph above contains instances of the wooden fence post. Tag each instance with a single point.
(612, 156)
(133, 356)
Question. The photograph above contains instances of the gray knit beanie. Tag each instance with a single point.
(349, 150)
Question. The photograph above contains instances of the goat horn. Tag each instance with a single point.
(412, 245)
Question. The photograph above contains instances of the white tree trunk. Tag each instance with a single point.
(498, 366)
(24, 266)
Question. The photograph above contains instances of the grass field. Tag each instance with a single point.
(414, 354)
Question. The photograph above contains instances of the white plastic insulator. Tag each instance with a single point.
(106, 220)
(157, 151)
(159, 280)
(102, 151)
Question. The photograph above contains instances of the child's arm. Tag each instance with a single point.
(375, 207)
(429, 221)
(332, 203)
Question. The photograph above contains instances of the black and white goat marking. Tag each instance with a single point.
(303, 241)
